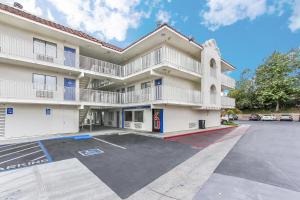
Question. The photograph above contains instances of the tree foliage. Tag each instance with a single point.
(274, 83)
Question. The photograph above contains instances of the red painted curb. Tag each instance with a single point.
(198, 132)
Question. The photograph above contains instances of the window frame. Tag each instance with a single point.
(125, 116)
(45, 45)
(146, 85)
(135, 115)
(44, 82)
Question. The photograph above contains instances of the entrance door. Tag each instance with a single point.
(70, 56)
(70, 89)
(157, 120)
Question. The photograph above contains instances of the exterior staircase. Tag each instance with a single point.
(82, 115)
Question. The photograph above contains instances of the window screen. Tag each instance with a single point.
(128, 116)
(139, 116)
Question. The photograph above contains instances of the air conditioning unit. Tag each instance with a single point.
(44, 58)
(44, 94)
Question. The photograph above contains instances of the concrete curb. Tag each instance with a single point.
(198, 132)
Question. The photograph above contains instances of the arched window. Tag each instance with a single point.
(213, 68)
(213, 94)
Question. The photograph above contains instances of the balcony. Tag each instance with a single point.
(163, 55)
(27, 92)
(227, 102)
(157, 95)
(100, 66)
(227, 81)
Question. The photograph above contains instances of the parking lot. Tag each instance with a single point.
(126, 163)
(264, 164)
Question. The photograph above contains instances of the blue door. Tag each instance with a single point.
(70, 56)
(70, 89)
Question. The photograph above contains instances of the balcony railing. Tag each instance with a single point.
(227, 102)
(227, 81)
(21, 90)
(152, 94)
(163, 55)
(158, 56)
(19, 47)
(100, 66)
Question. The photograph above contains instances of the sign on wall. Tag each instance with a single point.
(10, 111)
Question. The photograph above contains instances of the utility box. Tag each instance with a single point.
(201, 124)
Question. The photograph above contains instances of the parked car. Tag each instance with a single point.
(286, 117)
(270, 117)
(254, 117)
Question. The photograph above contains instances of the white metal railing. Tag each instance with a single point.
(227, 102)
(159, 56)
(98, 96)
(162, 55)
(100, 66)
(152, 94)
(17, 46)
(11, 89)
(227, 81)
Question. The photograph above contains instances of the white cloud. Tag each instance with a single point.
(163, 16)
(109, 19)
(28, 5)
(225, 12)
(50, 16)
(294, 20)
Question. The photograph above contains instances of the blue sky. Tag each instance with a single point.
(246, 31)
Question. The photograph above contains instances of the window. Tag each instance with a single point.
(130, 89)
(44, 48)
(128, 116)
(146, 85)
(44, 82)
(110, 116)
(139, 116)
(213, 68)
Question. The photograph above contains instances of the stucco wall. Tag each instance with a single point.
(185, 118)
(31, 120)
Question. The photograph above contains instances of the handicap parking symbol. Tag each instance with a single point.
(90, 152)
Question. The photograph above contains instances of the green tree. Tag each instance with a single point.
(244, 93)
(276, 80)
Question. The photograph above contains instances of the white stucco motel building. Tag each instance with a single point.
(54, 79)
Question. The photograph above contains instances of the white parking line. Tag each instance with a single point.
(20, 156)
(17, 147)
(6, 145)
(18, 151)
(39, 158)
(109, 143)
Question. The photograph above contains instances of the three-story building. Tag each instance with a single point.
(54, 79)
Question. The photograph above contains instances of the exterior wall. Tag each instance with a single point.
(185, 118)
(211, 51)
(31, 120)
(22, 74)
(23, 40)
(142, 126)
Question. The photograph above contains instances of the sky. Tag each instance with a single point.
(246, 31)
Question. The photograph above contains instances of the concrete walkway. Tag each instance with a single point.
(184, 181)
(67, 179)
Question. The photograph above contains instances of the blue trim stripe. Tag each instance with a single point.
(161, 113)
(76, 137)
(45, 151)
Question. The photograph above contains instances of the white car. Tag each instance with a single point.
(268, 118)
